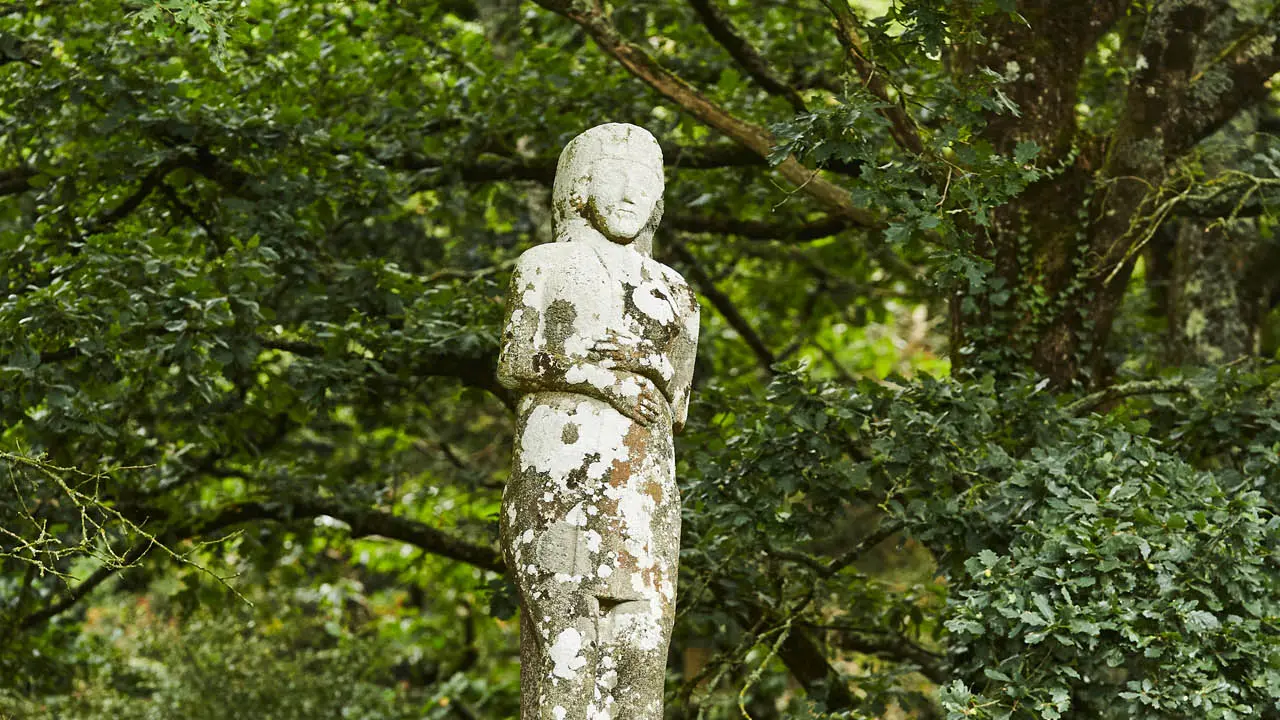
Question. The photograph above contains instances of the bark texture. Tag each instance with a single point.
(1064, 249)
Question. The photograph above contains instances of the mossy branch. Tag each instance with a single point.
(96, 520)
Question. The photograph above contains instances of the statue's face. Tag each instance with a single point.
(621, 198)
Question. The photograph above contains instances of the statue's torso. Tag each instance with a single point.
(590, 487)
(591, 290)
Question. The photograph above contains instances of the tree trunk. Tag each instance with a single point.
(1063, 251)
(1212, 311)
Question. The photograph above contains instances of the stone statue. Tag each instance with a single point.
(600, 341)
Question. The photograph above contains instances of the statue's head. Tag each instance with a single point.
(610, 178)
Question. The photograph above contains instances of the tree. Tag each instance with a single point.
(986, 419)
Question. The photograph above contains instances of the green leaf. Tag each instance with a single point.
(1201, 621)
(1025, 151)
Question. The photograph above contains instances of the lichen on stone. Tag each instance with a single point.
(599, 341)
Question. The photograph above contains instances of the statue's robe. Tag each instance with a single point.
(591, 513)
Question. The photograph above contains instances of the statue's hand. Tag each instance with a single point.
(646, 408)
(623, 350)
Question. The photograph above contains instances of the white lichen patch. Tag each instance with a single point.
(594, 375)
(566, 654)
(629, 387)
(651, 299)
(635, 510)
(642, 630)
(660, 363)
(544, 450)
(667, 588)
(576, 516)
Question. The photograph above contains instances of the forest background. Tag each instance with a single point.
(986, 419)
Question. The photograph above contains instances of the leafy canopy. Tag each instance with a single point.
(964, 441)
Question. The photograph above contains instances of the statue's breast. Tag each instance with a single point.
(596, 294)
(653, 299)
(654, 304)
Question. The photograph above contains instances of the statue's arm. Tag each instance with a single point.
(682, 365)
(527, 365)
(525, 304)
(630, 353)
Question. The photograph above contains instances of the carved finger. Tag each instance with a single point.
(632, 409)
(647, 410)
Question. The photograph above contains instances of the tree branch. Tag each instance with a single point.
(845, 559)
(190, 213)
(890, 646)
(882, 533)
(542, 170)
(804, 659)
(723, 304)
(134, 200)
(759, 230)
(232, 179)
(760, 141)
(709, 157)
(96, 578)
(480, 170)
(901, 126)
(1090, 402)
(1171, 105)
(363, 523)
(1247, 71)
(103, 222)
(1171, 101)
(495, 168)
(477, 369)
(722, 29)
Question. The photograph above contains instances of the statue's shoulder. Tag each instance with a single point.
(552, 254)
(678, 285)
(673, 279)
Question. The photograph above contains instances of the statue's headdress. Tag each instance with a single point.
(612, 142)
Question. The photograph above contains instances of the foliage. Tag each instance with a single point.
(1077, 553)
(286, 665)
(943, 459)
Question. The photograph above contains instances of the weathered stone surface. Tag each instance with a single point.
(600, 341)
